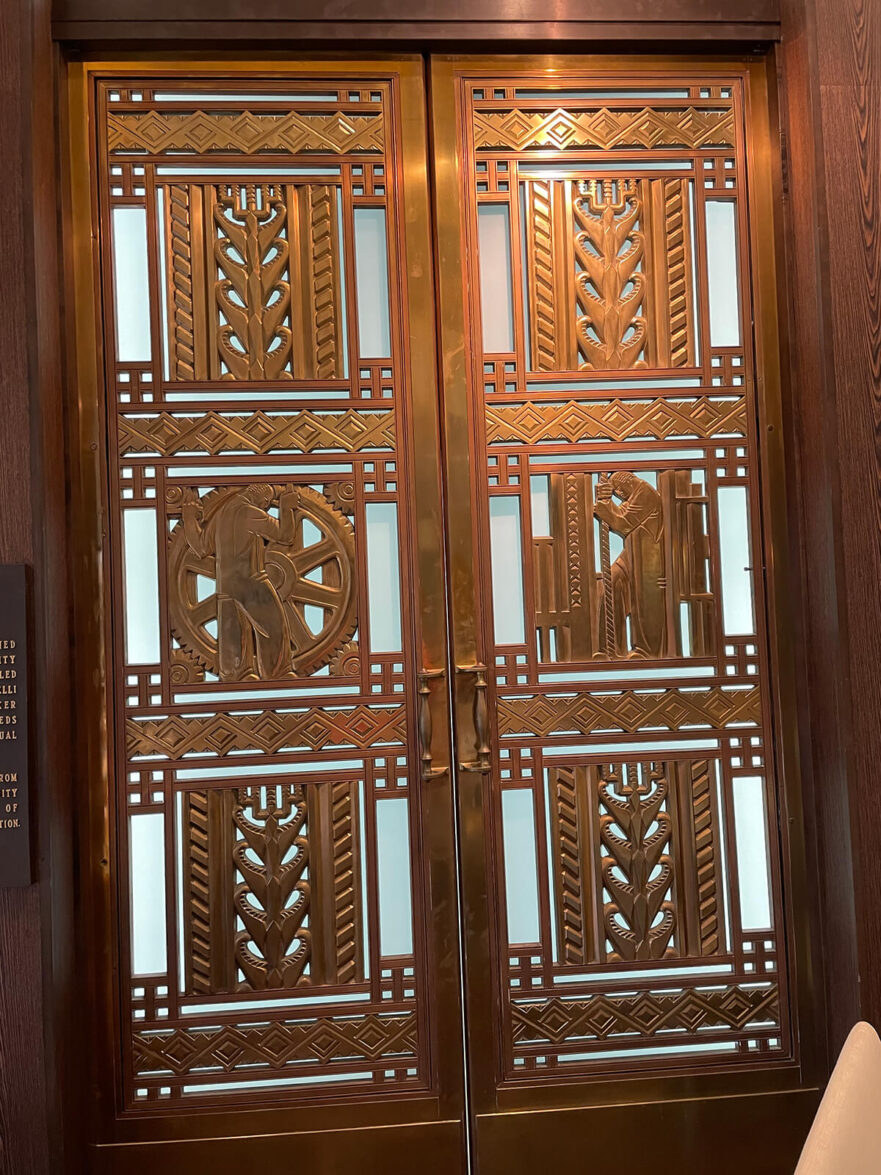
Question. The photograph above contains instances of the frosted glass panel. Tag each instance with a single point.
(233, 99)
(393, 866)
(737, 588)
(751, 829)
(541, 510)
(147, 888)
(507, 570)
(141, 575)
(521, 874)
(131, 284)
(181, 899)
(722, 273)
(371, 274)
(383, 577)
(549, 94)
(496, 298)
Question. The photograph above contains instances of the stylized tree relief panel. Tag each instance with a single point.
(283, 868)
(254, 286)
(273, 896)
(644, 837)
(609, 285)
(264, 576)
(609, 273)
(252, 290)
(637, 870)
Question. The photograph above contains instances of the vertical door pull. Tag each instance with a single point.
(482, 762)
(424, 724)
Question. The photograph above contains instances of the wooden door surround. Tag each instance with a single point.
(233, 381)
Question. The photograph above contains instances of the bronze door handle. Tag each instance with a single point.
(483, 756)
(427, 771)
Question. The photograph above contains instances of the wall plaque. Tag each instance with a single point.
(15, 851)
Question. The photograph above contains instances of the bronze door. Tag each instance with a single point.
(607, 301)
(286, 860)
(272, 916)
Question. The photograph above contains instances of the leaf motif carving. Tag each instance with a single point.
(609, 285)
(253, 293)
(637, 870)
(273, 898)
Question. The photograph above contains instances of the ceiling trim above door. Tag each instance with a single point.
(427, 24)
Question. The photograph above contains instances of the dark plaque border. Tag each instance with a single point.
(15, 848)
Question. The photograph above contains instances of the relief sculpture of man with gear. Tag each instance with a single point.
(250, 614)
(282, 562)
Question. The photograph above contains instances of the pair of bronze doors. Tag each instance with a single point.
(436, 819)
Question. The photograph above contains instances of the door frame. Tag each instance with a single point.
(57, 799)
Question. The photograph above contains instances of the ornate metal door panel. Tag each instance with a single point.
(621, 848)
(275, 633)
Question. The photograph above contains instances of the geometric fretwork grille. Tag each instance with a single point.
(260, 585)
(265, 620)
(635, 804)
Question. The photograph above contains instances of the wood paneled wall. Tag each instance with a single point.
(35, 923)
(22, 1094)
(830, 60)
(830, 66)
(849, 70)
